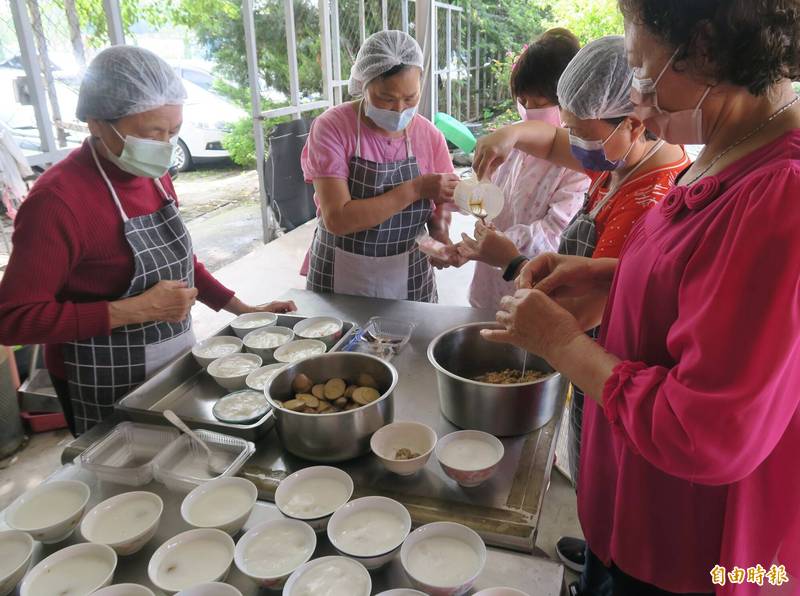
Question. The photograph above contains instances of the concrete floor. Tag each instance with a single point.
(267, 272)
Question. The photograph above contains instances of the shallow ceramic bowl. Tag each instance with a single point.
(289, 484)
(16, 549)
(250, 381)
(501, 592)
(272, 582)
(420, 438)
(243, 324)
(236, 381)
(59, 565)
(125, 590)
(474, 476)
(125, 543)
(358, 568)
(50, 528)
(369, 560)
(445, 530)
(267, 354)
(211, 589)
(234, 519)
(286, 353)
(218, 340)
(402, 592)
(182, 542)
(303, 330)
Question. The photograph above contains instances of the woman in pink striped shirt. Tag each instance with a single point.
(689, 479)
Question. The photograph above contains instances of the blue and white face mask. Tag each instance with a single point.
(390, 120)
(592, 154)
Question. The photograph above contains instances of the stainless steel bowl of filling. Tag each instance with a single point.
(332, 435)
(509, 405)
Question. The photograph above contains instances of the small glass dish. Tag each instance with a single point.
(125, 455)
(386, 337)
(184, 464)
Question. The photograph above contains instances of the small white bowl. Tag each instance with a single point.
(124, 590)
(275, 534)
(78, 569)
(244, 324)
(214, 548)
(300, 349)
(104, 524)
(16, 549)
(253, 380)
(228, 500)
(210, 589)
(402, 592)
(420, 438)
(377, 557)
(251, 341)
(233, 381)
(204, 358)
(444, 530)
(470, 476)
(51, 511)
(287, 495)
(501, 592)
(358, 571)
(306, 329)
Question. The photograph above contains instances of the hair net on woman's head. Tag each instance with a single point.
(126, 80)
(596, 85)
(380, 53)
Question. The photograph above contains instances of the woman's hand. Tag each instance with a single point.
(535, 322)
(167, 301)
(492, 150)
(489, 246)
(238, 307)
(566, 276)
(439, 188)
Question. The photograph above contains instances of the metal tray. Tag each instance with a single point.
(185, 388)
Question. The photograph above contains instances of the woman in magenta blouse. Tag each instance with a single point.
(689, 480)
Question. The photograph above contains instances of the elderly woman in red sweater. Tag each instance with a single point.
(103, 270)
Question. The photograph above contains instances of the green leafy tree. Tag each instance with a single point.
(588, 19)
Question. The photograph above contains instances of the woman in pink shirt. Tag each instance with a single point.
(689, 478)
(380, 173)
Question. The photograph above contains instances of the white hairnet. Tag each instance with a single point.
(380, 53)
(596, 85)
(126, 80)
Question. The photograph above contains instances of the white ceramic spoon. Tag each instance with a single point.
(216, 463)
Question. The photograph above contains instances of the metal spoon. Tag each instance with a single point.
(216, 463)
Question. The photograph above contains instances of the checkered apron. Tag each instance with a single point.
(395, 236)
(101, 370)
(580, 239)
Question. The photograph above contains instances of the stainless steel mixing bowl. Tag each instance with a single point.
(461, 354)
(342, 435)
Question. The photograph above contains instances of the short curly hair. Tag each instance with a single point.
(752, 43)
(538, 69)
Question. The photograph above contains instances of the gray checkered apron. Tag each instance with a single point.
(580, 239)
(393, 238)
(101, 370)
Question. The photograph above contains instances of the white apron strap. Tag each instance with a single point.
(122, 213)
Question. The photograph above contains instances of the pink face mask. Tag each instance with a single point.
(679, 128)
(549, 115)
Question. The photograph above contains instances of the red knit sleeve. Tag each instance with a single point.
(209, 290)
(615, 227)
(47, 247)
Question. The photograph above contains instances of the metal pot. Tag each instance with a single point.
(342, 435)
(461, 354)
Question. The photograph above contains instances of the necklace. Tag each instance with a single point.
(743, 139)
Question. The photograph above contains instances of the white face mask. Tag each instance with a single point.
(389, 120)
(144, 157)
